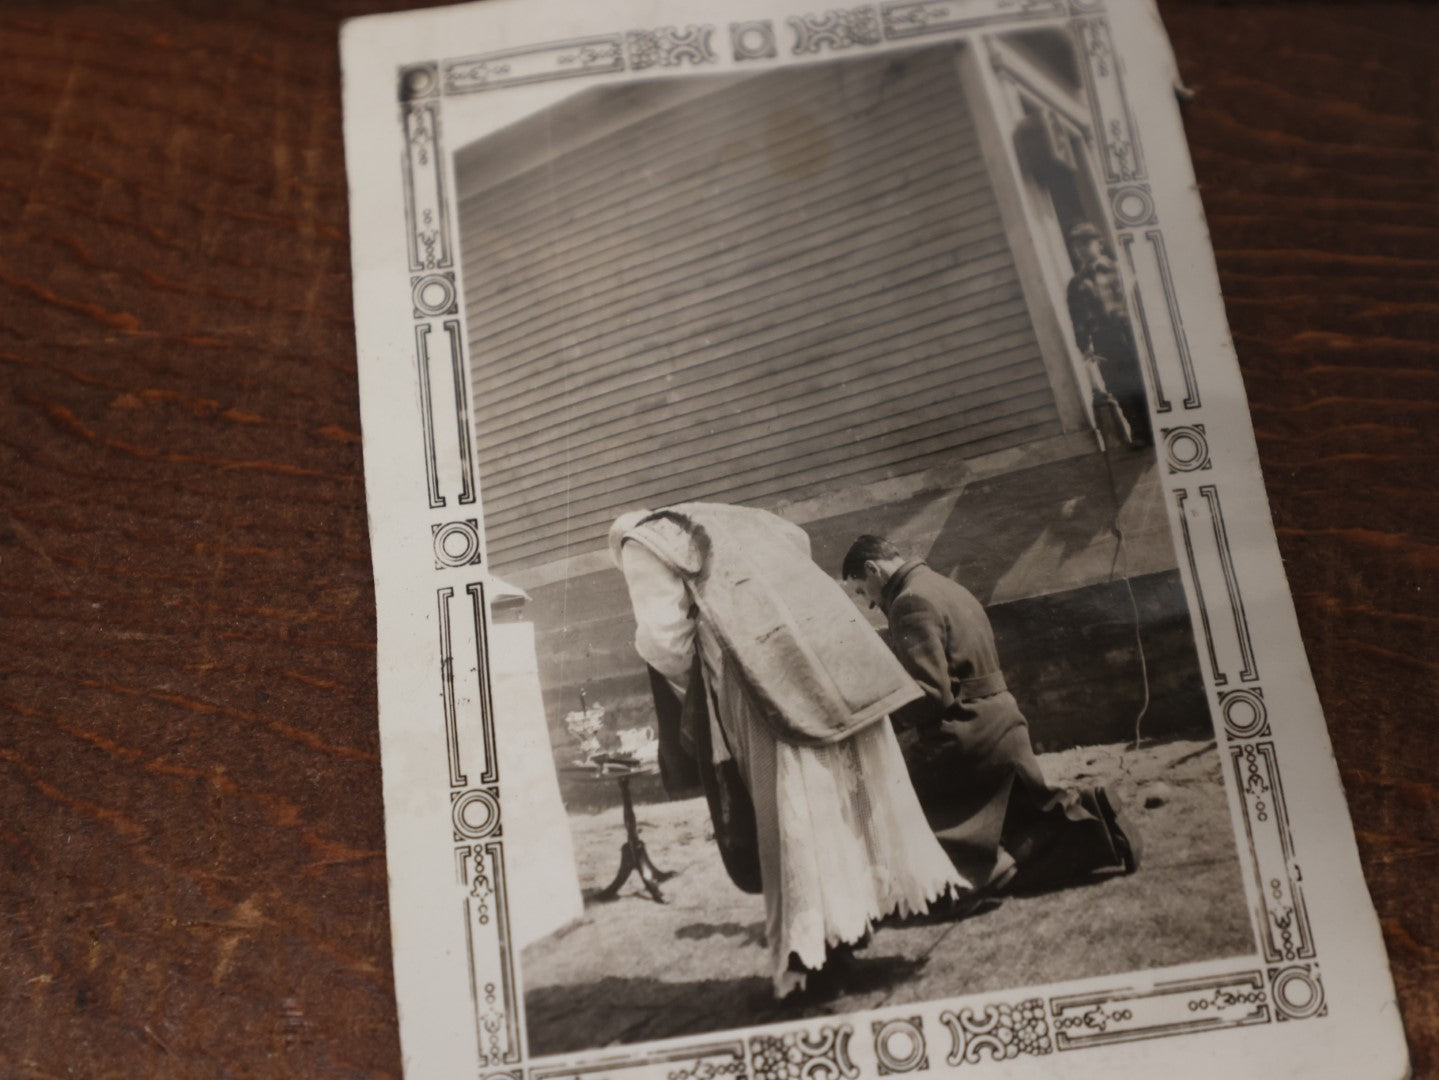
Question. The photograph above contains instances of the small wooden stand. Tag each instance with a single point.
(633, 857)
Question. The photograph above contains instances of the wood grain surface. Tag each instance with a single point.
(192, 874)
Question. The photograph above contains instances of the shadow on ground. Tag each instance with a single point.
(631, 970)
(637, 1009)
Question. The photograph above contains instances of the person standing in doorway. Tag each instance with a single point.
(1103, 332)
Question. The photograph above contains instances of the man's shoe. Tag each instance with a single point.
(1122, 832)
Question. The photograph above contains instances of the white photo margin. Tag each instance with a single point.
(1315, 998)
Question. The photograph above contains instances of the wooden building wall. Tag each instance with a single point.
(777, 287)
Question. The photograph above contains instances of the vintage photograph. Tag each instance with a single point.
(830, 561)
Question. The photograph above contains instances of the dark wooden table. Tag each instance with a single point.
(192, 874)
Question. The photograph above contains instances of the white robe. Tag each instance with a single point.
(843, 841)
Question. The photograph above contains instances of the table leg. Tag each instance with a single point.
(633, 856)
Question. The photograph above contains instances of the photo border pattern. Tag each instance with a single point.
(1290, 989)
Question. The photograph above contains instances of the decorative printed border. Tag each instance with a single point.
(834, 30)
(1186, 448)
(1175, 1008)
(753, 40)
(704, 1061)
(456, 543)
(481, 871)
(447, 682)
(1245, 714)
(988, 1032)
(1212, 565)
(1298, 992)
(480, 611)
(1117, 134)
(463, 805)
(670, 47)
(427, 416)
(804, 1055)
(434, 294)
(899, 1045)
(999, 1033)
(540, 63)
(916, 18)
(1280, 909)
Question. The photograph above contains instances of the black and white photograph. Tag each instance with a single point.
(813, 442)
(830, 623)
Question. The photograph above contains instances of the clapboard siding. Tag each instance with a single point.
(709, 464)
(706, 150)
(790, 284)
(782, 344)
(755, 390)
(637, 248)
(573, 316)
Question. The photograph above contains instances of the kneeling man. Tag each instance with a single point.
(967, 744)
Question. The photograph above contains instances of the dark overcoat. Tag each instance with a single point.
(966, 744)
(943, 637)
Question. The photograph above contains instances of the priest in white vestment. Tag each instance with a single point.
(798, 689)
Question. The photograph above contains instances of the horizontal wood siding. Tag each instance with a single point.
(793, 283)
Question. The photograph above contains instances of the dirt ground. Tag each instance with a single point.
(631, 970)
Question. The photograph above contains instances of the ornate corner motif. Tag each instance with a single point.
(1298, 992)
(434, 294)
(1245, 714)
(475, 813)
(753, 40)
(419, 81)
(1133, 205)
(1186, 448)
(1001, 1033)
(669, 46)
(456, 543)
(803, 1055)
(835, 30)
(899, 1045)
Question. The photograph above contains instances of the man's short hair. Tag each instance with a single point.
(867, 548)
